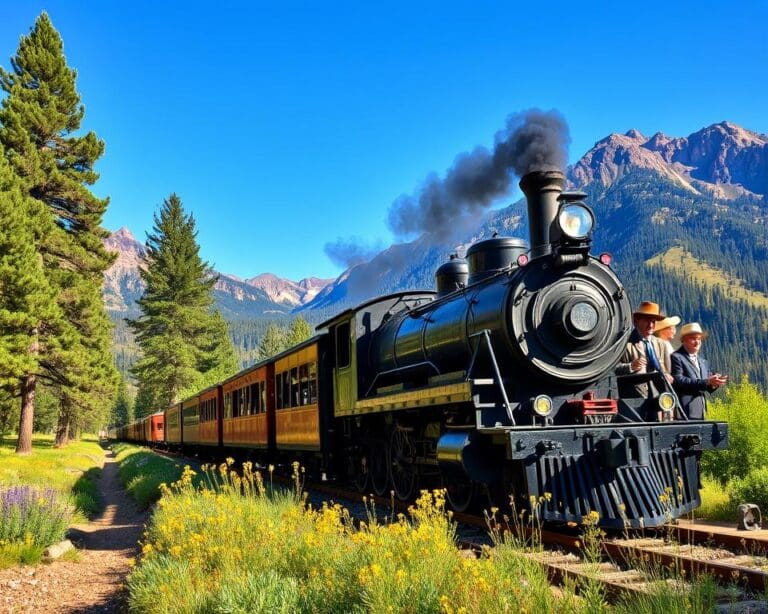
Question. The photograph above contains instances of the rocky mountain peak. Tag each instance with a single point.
(287, 292)
(724, 159)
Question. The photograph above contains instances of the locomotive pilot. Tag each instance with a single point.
(645, 353)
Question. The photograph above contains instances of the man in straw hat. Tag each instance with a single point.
(692, 374)
(666, 330)
(645, 353)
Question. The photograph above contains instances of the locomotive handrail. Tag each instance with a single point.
(657, 377)
(427, 363)
(486, 334)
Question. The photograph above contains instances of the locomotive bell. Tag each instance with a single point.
(451, 275)
(541, 189)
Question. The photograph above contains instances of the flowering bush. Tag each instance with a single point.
(236, 546)
(32, 515)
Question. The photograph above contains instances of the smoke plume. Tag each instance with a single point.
(348, 253)
(532, 140)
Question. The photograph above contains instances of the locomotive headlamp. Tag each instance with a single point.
(666, 401)
(576, 220)
(542, 405)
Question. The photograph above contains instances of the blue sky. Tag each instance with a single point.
(284, 126)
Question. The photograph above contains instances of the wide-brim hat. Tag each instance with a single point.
(693, 328)
(647, 309)
(667, 322)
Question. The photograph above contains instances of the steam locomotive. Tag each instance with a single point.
(502, 381)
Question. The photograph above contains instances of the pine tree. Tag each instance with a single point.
(38, 121)
(121, 411)
(144, 403)
(183, 341)
(218, 356)
(275, 340)
(30, 318)
(299, 331)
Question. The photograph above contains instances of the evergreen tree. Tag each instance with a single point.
(30, 318)
(122, 410)
(275, 340)
(38, 121)
(143, 404)
(218, 356)
(183, 341)
(299, 331)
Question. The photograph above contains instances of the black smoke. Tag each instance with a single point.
(531, 140)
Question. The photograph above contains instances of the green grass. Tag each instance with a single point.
(142, 471)
(72, 471)
(20, 553)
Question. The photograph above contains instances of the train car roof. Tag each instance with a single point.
(313, 339)
(347, 312)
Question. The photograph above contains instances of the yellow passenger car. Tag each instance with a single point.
(247, 398)
(297, 418)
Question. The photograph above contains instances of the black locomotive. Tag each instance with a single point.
(504, 378)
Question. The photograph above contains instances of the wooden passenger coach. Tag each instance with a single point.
(154, 428)
(210, 425)
(297, 414)
(173, 424)
(190, 421)
(248, 398)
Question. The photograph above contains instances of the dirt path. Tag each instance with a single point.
(95, 582)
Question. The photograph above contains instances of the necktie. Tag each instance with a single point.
(695, 361)
(651, 355)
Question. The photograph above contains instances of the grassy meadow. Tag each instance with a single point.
(43, 493)
(71, 471)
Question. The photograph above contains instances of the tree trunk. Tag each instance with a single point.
(62, 428)
(28, 387)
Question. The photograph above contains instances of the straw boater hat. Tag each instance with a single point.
(691, 329)
(667, 322)
(649, 310)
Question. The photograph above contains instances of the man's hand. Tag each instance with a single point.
(638, 364)
(670, 379)
(716, 380)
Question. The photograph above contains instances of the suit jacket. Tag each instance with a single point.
(636, 348)
(689, 384)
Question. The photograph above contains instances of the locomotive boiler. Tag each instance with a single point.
(503, 381)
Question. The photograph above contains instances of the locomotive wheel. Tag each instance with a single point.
(379, 467)
(402, 456)
(460, 492)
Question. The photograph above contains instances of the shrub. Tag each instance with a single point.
(33, 516)
(715, 502)
(752, 488)
(746, 411)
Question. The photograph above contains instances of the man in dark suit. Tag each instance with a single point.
(693, 377)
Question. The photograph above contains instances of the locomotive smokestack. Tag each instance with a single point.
(541, 189)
